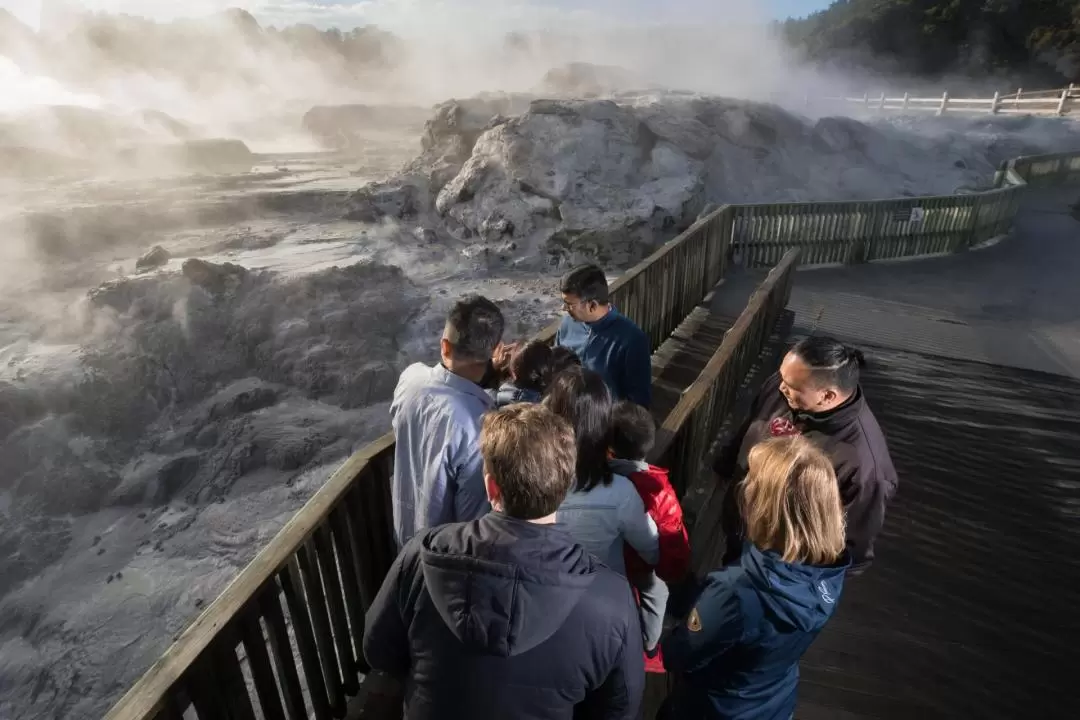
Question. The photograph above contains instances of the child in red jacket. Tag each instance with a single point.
(633, 435)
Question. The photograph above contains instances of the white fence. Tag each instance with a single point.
(1061, 102)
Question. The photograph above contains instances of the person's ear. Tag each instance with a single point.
(828, 397)
(446, 350)
(493, 493)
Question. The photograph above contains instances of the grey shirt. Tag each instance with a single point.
(605, 517)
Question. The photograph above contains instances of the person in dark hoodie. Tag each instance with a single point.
(817, 394)
(507, 616)
(529, 374)
(736, 653)
(608, 342)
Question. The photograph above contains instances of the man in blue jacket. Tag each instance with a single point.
(508, 616)
(436, 411)
(607, 342)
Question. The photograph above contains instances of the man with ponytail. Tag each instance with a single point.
(816, 393)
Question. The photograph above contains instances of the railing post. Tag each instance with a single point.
(996, 103)
(907, 99)
(944, 103)
(1016, 105)
(1064, 101)
(866, 100)
(881, 107)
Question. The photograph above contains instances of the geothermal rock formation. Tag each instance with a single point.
(554, 181)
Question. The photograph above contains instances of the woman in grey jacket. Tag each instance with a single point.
(603, 510)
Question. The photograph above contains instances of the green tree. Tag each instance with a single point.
(929, 38)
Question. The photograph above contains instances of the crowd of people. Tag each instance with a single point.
(544, 563)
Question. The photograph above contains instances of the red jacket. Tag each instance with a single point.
(662, 505)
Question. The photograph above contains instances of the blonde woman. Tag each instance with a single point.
(737, 651)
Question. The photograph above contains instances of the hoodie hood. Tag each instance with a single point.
(502, 585)
(801, 597)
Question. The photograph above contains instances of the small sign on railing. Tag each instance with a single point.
(909, 215)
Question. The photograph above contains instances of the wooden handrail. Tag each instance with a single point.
(145, 696)
(691, 397)
(684, 438)
(1057, 102)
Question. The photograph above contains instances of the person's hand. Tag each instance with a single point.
(501, 357)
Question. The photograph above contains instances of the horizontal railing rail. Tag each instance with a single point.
(872, 230)
(684, 438)
(251, 655)
(1057, 102)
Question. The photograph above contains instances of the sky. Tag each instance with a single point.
(394, 13)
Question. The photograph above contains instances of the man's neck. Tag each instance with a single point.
(601, 312)
(546, 520)
(835, 406)
(473, 372)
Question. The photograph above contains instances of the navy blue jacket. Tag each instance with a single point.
(509, 394)
(504, 618)
(738, 652)
(617, 349)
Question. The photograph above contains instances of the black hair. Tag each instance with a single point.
(633, 431)
(580, 396)
(588, 283)
(831, 362)
(562, 358)
(474, 328)
(531, 366)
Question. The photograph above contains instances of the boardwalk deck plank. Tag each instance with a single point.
(969, 610)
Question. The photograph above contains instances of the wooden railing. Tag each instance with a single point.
(248, 655)
(1038, 170)
(858, 232)
(326, 564)
(684, 439)
(1041, 102)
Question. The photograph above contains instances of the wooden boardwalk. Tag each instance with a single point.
(970, 609)
(682, 357)
(677, 363)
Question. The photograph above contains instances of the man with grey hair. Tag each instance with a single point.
(436, 412)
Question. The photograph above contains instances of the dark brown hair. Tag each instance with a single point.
(580, 396)
(633, 431)
(531, 365)
(562, 358)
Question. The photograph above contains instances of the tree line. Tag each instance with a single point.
(1037, 41)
